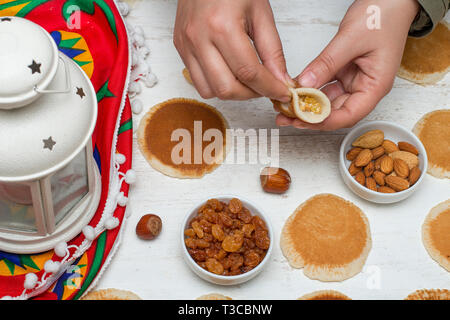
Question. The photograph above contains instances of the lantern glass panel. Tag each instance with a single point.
(69, 185)
(16, 208)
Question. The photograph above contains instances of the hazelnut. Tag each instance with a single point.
(275, 180)
(149, 227)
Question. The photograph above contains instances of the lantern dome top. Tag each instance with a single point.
(43, 136)
(28, 61)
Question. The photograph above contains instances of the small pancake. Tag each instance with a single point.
(426, 60)
(327, 236)
(295, 108)
(158, 125)
(324, 295)
(111, 294)
(432, 294)
(187, 76)
(213, 296)
(433, 129)
(436, 234)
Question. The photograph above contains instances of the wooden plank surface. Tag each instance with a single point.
(398, 263)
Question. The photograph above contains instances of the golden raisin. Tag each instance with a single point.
(251, 258)
(189, 232)
(217, 232)
(262, 239)
(248, 230)
(197, 229)
(235, 205)
(214, 266)
(233, 243)
(236, 260)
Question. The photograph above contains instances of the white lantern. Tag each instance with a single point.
(50, 185)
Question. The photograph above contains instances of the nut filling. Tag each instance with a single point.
(226, 239)
(309, 104)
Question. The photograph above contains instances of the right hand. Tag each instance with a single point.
(232, 49)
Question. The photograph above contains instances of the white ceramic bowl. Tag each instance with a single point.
(218, 279)
(392, 132)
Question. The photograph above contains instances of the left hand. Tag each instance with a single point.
(358, 67)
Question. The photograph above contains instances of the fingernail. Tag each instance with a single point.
(289, 81)
(308, 80)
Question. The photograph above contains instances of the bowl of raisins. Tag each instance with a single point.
(226, 240)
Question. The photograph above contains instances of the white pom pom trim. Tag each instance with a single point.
(30, 281)
(89, 233)
(122, 200)
(111, 223)
(61, 249)
(120, 158)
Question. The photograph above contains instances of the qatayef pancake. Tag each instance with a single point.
(327, 236)
(433, 129)
(436, 234)
(426, 60)
(432, 294)
(214, 296)
(324, 295)
(307, 104)
(171, 136)
(111, 294)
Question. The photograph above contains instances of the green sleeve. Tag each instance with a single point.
(430, 13)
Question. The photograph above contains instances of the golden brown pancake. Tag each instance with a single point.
(327, 236)
(436, 234)
(433, 129)
(324, 295)
(307, 104)
(111, 294)
(155, 138)
(187, 76)
(214, 296)
(432, 294)
(426, 60)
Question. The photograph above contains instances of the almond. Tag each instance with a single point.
(353, 153)
(401, 168)
(389, 146)
(384, 189)
(411, 159)
(363, 158)
(406, 146)
(387, 165)
(361, 178)
(353, 169)
(369, 140)
(414, 175)
(379, 177)
(371, 184)
(397, 183)
(378, 162)
(369, 169)
(378, 152)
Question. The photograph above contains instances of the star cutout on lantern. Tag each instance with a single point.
(35, 67)
(5, 19)
(80, 92)
(49, 143)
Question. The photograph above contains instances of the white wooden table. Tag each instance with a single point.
(397, 265)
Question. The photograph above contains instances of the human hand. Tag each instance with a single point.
(359, 65)
(231, 49)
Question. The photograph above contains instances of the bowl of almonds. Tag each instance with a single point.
(382, 162)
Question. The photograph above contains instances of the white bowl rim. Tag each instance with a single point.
(248, 274)
(362, 188)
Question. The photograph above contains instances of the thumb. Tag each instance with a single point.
(339, 52)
